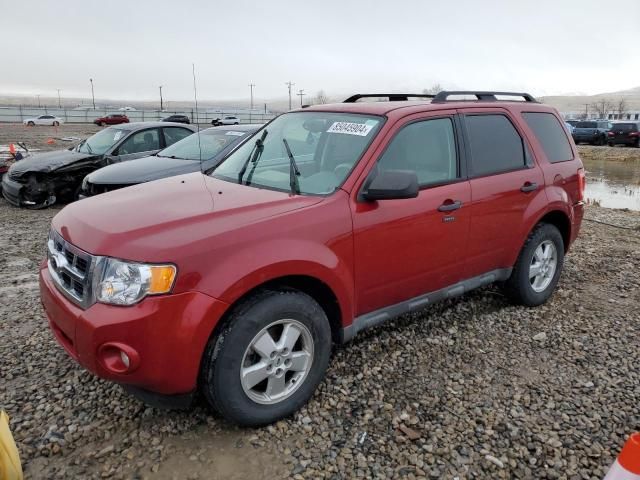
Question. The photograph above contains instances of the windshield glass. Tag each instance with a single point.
(586, 125)
(325, 147)
(211, 143)
(102, 141)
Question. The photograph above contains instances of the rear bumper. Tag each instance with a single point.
(166, 334)
(624, 141)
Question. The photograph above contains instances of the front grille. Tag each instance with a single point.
(92, 189)
(71, 269)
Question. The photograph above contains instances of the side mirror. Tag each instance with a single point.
(392, 185)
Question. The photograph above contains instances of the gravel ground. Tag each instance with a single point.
(470, 388)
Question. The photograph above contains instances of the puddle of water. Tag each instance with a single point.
(613, 184)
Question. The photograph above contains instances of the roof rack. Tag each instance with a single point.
(393, 97)
(443, 96)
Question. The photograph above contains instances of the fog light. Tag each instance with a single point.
(125, 359)
(118, 358)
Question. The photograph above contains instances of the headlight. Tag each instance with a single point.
(126, 283)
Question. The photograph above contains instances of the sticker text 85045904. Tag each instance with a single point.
(350, 128)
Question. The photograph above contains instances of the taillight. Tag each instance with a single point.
(611, 134)
(582, 183)
(634, 134)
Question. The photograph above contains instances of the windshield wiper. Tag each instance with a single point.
(253, 156)
(294, 173)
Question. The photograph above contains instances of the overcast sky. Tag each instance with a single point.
(131, 47)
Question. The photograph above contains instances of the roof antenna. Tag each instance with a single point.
(195, 98)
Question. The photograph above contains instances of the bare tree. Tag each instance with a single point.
(321, 98)
(602, 107)
(435, 88)
(621, 107)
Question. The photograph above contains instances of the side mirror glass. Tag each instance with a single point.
(392, 185)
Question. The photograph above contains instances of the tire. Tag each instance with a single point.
(236, 123)
(611, 144)
(520, 286)
(30, 124)
(229, 352)
(56, 124)
(102, 124)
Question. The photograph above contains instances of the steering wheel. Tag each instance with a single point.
(342, 169)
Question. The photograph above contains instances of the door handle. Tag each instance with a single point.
(529, 187)
(449, 206)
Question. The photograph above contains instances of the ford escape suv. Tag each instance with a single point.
(329, 220)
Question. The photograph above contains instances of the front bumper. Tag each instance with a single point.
(11, 190)
(586, 138)
(169, 334)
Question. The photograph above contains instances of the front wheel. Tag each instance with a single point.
(537, 270)
(30, 124)
(56, 123)
(268, 360)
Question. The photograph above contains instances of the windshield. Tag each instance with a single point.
(325, 147)
(586, 125)
(102, 141)
(211, 143)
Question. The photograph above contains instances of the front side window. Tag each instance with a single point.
(144, 141)
(302, 152)
(427, 148)
(586, 125)
(495, 144)
(550, 134)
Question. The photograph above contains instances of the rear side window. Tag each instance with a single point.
(427, 148)
(550, 134)
(174, 134)
(495, 144)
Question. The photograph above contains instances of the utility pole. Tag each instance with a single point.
(161, 107)
(251, 85)
(59, 103)
(38, 100)
(300, 94)
(289, 84)
(586, 111)
(93, 98)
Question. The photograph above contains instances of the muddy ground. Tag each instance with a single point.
(470, 388)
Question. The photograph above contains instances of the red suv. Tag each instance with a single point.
(327, 221)
(112, 119)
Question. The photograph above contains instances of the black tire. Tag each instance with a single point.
(30, 124)
(518, 287)
(221, 365)
(56, 124)
(236, 123)
(611, 144)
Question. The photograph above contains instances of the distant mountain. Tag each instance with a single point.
(578, 103)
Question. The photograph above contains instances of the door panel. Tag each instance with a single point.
(405, 248)
(505, 183)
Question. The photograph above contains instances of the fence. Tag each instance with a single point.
(19, 114)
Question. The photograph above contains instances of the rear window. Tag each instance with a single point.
(625, 127)
(587, 125)
(496, 145)
(550, 134)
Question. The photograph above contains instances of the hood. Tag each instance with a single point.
(49, 161)
(146, 222)
(142, 170)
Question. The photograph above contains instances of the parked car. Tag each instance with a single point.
(595, 132)
(573, 123)
(198, 152)
(625, 133)
(43, 179)
(112, 119)
(177, 119)
(330, 220)
(43, 120)
(230, 120)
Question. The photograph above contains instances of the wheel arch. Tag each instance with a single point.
(561, 221)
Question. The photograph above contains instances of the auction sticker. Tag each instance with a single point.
(350, 128)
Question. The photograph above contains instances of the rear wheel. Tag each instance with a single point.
(537, 270)
(31, 124)
(102, 124)
(268, 360)
(56, 123)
